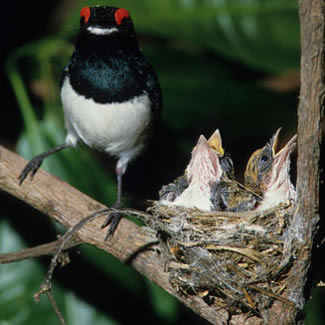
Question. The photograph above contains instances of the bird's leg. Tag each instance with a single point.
(32, 167)
(114, 218)
(118, 202)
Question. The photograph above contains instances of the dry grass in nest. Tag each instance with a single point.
(236, 261)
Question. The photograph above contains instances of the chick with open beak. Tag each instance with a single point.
(259, 165)
(193, 190)
(227, 194)
(227, 165)
(278, 187)
(268, 173)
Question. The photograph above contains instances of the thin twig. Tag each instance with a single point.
(64, 241)
(36, 251)
(52, 302)
(55, 307)
(274, 295)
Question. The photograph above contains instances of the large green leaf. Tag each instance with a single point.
(19, 281)
(261, 34)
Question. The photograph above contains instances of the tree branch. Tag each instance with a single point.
(310, 118)
(68, 206)
(36, 251)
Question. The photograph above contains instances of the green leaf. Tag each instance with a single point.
(166, 306)
(80, 313)
(261, 34)
(123, 275)
(314, 308)
(19, 281)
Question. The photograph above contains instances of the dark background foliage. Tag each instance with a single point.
(222, 64)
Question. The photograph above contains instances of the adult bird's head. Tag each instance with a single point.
(102, 22)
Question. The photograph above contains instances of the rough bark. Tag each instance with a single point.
(310, 118)
(309, 129)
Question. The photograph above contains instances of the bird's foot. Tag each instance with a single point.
(31, 168)
(112, 220)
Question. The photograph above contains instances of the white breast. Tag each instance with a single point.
(195, 196)
(274, 196)
(116, 128)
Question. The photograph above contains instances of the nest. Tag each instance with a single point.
(236, 261)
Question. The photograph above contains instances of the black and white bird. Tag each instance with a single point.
(110, 94)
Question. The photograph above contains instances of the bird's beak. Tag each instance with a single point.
(202, 146)
(204, 162)
(283, 155)
(275, 141)
(215, 142)
(202, 141)
(281, 166)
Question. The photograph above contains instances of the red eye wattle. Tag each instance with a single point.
(120, 14)
(85, 13)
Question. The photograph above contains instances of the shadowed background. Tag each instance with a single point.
(221, 64)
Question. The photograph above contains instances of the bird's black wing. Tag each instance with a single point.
(65, 71)
(149, 78)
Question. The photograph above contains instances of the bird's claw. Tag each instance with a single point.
(112, 221)
(30, 169)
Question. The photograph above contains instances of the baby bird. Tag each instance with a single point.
(227, 165)
(221, 191)
(278, 187)
(259, 165)
(268, 173)
(193, 190)
(228, 194)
